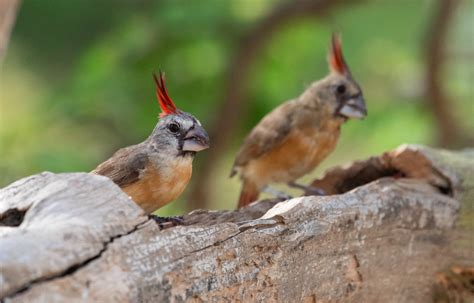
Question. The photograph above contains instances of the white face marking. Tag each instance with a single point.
(185, 123)
(199, 122)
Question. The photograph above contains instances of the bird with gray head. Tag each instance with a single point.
(156, 171)
(296, 136)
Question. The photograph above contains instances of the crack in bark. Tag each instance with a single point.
(13, 217)
(258, 224)
(219, 242)
(73, 268)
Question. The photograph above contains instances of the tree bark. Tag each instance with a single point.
(77, 238)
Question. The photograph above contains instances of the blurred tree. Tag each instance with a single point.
(450, 132)
(72, 96)
(235, 95)
(8, 10)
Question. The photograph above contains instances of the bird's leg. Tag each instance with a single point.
(275, 192)
(308, 188)
(167, 222)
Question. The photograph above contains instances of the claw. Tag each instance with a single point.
(275, 192)
(314, 191)
(167, 222)
(309, 190)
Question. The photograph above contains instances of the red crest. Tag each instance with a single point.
(166, 104)
(336, 60)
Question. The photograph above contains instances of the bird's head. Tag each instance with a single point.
(176, 132)
(339, 92)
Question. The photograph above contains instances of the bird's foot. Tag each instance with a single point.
(310, 190)
(275, 192)
(167, 222)
(314, 191)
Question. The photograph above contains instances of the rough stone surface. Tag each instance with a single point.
(82, 240)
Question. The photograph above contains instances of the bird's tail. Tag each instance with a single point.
(248, 194)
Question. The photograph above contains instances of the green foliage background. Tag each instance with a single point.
(76, 82)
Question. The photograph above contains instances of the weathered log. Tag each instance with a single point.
(77, 238)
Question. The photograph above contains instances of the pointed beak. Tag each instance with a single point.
(354, 107)
(196, 140)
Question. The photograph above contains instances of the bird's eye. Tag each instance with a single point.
(341, 89)
(173, 127)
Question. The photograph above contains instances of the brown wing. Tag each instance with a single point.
(270, 132)
(124, 166)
